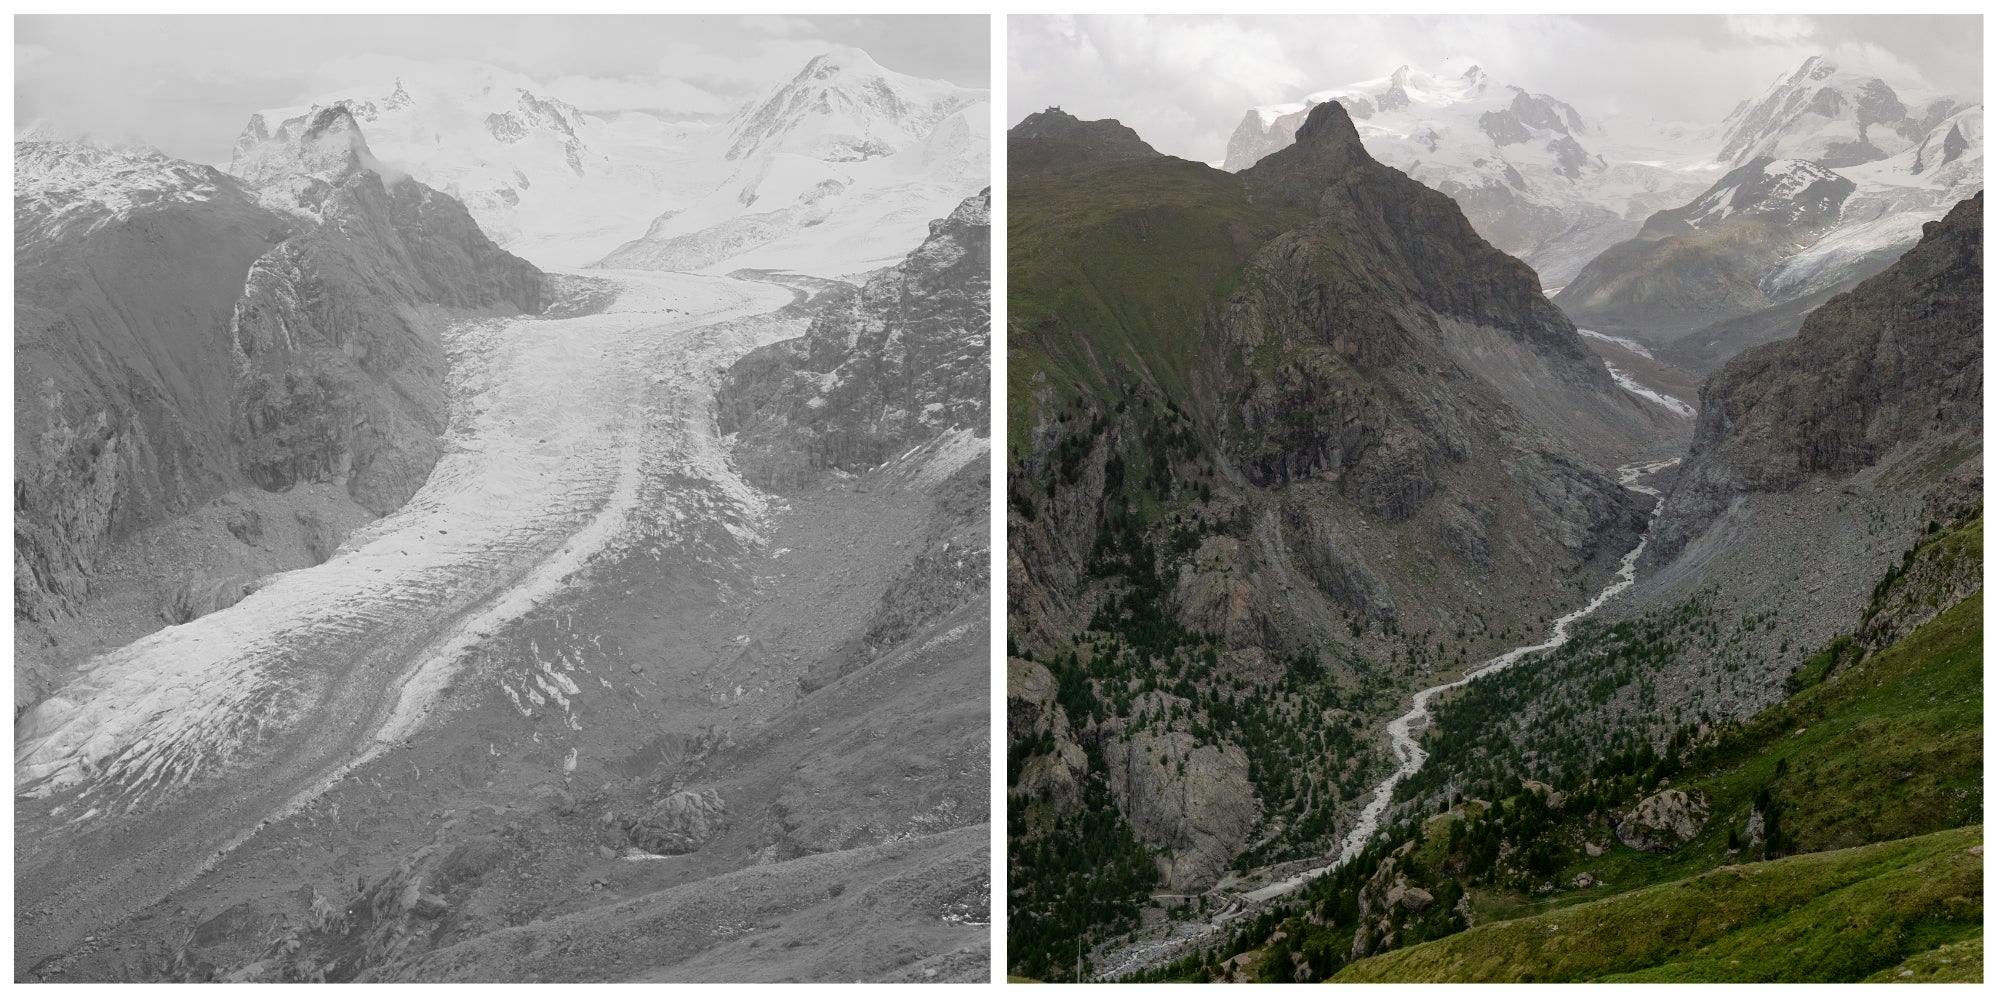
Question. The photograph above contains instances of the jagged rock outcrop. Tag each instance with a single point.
(1894, 365)
(679, 823)
(1663, 822)
(1054, 776)
(903, 361)
(1193, 799)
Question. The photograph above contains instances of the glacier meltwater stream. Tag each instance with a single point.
(1409, 754)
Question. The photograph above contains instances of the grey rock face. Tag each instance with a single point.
(335, 381)
(1056, 776)
(1661, 823)
(1895, 363)
(902, 362)
(679, 823)
(1193, 799)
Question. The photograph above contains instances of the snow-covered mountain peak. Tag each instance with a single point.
(1791, 188)
(1836, 116)
(844, 106)
(1531, 173)
(61, 183)
(837, 172)
(541, 176)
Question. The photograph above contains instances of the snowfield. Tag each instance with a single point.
(559, 429)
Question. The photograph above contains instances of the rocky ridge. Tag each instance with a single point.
(1247, 408)
(1890, 369)
(285, 336)
(1532, 175)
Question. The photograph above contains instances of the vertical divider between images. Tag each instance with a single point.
(997, 495)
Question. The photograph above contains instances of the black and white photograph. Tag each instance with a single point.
(502, 499)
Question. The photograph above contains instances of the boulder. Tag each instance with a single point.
(1663, 822)
(1410, 898)
(679, 823)
(1198, 804)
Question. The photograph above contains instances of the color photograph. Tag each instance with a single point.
(1494, 499)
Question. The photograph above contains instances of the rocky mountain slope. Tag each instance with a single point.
(591, 688)
(217, 377)
(1796, 675)
(1533, 176)
(900, 362)
(1850, 174)
(836, 173)
(1281, 443)
(894, 375)
(1892, 369)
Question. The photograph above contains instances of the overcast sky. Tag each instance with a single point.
(1185, 82)
(188, 84)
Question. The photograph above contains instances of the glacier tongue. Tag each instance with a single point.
(539, 478)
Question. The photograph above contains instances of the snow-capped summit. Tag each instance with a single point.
(837, 173)
(1837, 117)
(324, 144)
(541, 176)
(1534, 176)
(59, 184)
(844, 106)
(1793, 189)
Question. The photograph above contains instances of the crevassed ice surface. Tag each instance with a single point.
(557, 425)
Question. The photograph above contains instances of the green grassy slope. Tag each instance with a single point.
(1115, 270)
(1834, 916)
(1887, 754)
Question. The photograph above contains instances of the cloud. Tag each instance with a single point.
(187, 84)
(1184, 82)
(655, 94)
(774, 24)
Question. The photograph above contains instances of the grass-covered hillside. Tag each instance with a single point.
(1833, 836)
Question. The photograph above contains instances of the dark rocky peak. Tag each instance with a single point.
(1543, 111)
(1411, 238)
(1326, 147)
(1954, 144)
(328, 147)
(1797, 193)
(1397, 96)
(1476, 79)
(1055, 137)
